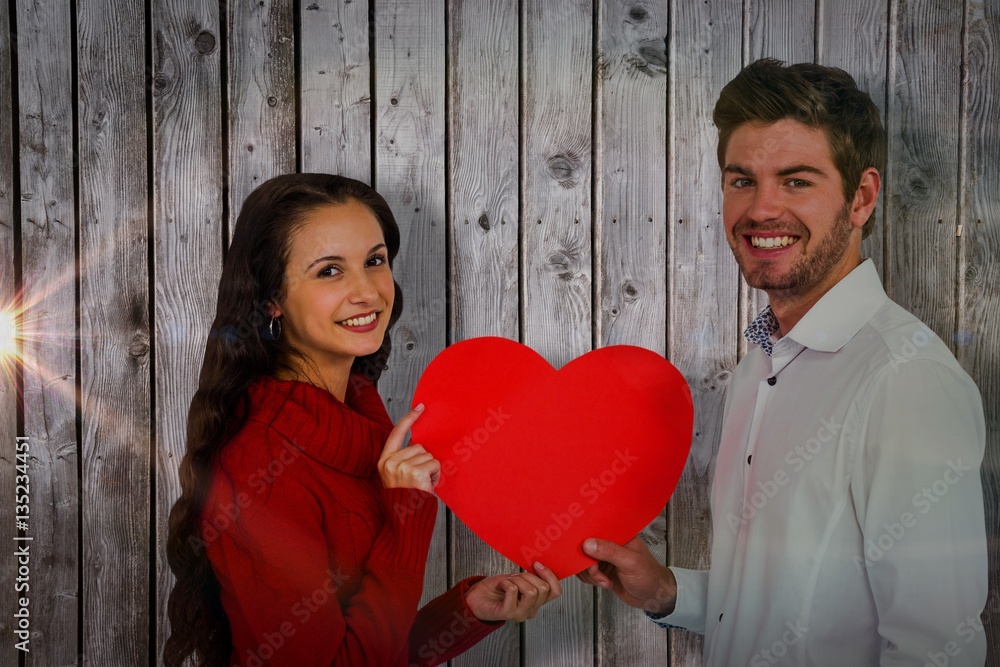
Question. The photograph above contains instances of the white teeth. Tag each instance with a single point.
(772, 241)
(360, 321)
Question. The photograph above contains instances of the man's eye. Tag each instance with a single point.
(799, 183)
(741, 182)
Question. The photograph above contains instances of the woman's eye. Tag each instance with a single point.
(376, 260)
(329, 271)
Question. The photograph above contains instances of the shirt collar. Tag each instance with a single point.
(761, 330)
(833, 320)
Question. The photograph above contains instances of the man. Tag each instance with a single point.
(848, 524)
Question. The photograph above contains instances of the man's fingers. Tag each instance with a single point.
(593, 576)
(395, 441)
(608, 552)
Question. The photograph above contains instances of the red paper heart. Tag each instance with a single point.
(536, 460)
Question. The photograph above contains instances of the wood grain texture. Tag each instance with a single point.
(261, 81)
(556, 207)
(702, 305)
(475, 258)
(557, 240)
(921, 183)
(187, 237)
(782, 29)
(48, 224)
(410, 174)
(630, 240)
(977, 345)
(410, 150)
(8, 383)
(483, 219)
(114, 333)
(786, 30)
(854, 37)
(335, 96)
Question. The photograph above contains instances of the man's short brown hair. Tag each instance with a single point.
(767, 91)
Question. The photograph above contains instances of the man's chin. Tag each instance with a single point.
(768, 280)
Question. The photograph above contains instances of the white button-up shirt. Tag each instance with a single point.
(848, 524)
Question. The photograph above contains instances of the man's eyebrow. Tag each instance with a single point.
(787, 171)
(338, 258)
(800, 168)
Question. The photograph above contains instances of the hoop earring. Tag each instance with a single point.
(274, 328)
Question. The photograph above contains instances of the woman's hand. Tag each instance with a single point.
(513, 597)
(411, 467)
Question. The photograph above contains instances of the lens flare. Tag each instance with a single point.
(8, 334)
(10, 353)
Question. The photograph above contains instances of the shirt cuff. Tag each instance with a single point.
(689, 608)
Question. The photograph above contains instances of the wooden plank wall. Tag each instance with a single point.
(552, 167)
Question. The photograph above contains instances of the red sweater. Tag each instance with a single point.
(319, 564)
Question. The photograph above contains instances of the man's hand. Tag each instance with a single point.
(631, 573)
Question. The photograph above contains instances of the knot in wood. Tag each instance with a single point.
(630, 292)
(204, 42)
(917, 186)
(563, 263)
(563, 168)
(652, 59)
(484, 222)
(638, 13)
(405, 338)
(139, 347)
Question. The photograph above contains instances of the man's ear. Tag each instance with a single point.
(865, 196)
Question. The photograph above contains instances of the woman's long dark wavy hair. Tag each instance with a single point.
(239, 350)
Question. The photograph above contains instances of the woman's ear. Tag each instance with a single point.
(272, 309)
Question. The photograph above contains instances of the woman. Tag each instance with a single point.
(302, 531)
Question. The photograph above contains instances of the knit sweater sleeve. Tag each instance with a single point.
(445, 627)
(281, 595)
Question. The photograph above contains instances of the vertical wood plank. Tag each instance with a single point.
(921, 184)
(410, 174)
(187, 233)
(630, 230)
(978, 346)
(336, 88)
(114, 333)
(703, 328)
(410, 127)
(853, 35)
(782, 29)
(556, 237)
(483, 198)
(8, 383)
(48, 224)
(261, 70)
